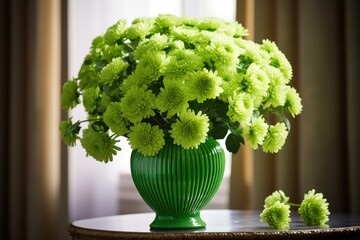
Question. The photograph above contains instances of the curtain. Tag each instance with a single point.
(33, 177)
(322, 41)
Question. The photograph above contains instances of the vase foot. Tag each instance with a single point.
(190, 221)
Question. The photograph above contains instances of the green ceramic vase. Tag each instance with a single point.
(177, 183)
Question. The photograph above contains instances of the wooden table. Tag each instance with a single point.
(221, 224)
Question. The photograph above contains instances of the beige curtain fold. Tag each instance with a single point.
(323, 154)
(352, 29)
(34, 176)
(241, 179)
(322, 41)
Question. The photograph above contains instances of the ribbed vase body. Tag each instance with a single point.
(177, 183)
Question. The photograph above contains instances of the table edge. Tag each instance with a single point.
(326, 233)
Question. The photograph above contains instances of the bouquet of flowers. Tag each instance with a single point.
(180, 80)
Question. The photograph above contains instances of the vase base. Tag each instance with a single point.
(190, 221)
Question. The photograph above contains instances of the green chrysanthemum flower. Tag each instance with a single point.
(137, 104)
(88, 75)
(186, 34)
(220, 52)
(227, 72)
(229, 29)
(293, 102)
(113, 117)
(244, 63)
(177, 44)
(182, 62)
(230, 83)
(69, 132)
(277, 89)
(150, 20)
(240, 31)
(240, 108)
(275, 138)
(99, 145)
(277, 216)
(151, 66)
(190, 130)
(314, 209)
(274, 197)
(278, 59)
(140, 29)
(203, 85)
(70, 95)
(112, 71)
(104, 102)
(167, 20)
(97, 45)
(91, 97)
(115, 32)
(255, 133)
(147, 139)
(191, 22)
(251, 54)
(255, 83)
(112, 51)
(211, 23)
(132, 81)
(155, 43)
(172, 98)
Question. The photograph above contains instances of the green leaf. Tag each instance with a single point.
(221, 109)
(237, 132)
(287, 123)
(99, 126)
(219, 130)
(100, 64)
(232, 143)
(75, 128)
(127, 47)
(279, 112)
(130, 46)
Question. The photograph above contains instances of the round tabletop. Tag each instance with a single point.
(221, 224)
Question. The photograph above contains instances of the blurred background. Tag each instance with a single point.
(44, 185)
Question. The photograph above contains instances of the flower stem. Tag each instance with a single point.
(294, 204)
(88, 120)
